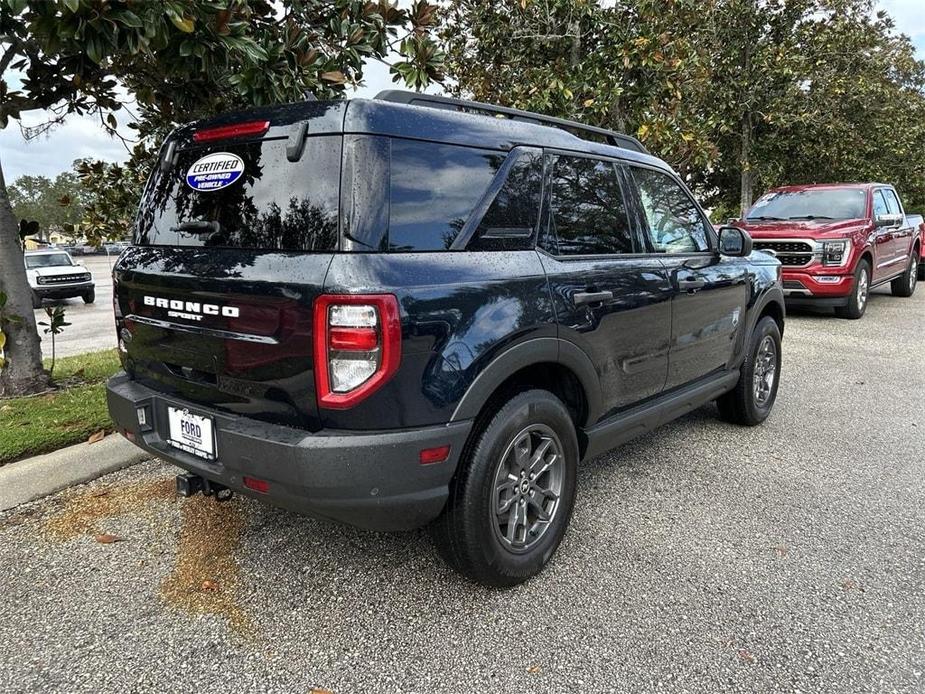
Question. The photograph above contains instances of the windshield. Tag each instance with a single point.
(817, 203)
(48, 260)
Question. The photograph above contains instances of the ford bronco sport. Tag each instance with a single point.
(837, 242)
(416, 310)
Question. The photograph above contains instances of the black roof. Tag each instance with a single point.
(439, 119)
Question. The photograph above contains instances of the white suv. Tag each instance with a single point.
(53, 274)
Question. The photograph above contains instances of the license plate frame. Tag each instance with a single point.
(191, 433)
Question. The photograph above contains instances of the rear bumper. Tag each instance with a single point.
(371, 480)
(63, 292)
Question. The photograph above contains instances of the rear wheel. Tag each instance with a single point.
(750, 402)
(512, 497)
(857, 302)
(90, 297)
(904, 285)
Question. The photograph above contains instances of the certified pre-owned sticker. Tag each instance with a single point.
(215, 171)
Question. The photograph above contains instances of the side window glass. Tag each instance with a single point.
(880, 206)
(892, 202)
(511, 218)
(587, 213)
(675, 224)
(433, 190)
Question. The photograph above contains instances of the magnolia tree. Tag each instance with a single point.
(177, 61)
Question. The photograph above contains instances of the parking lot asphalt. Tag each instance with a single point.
(701, 558)
(92, 326)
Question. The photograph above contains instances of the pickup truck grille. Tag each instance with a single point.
(790, 253)
(64, 279)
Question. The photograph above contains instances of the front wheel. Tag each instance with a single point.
(750, 402)
(89, 297)
(857, 302)
(904, 285)
(512, 497)
(36, 300)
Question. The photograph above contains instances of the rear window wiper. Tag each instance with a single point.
(198, 226)
(810, 216)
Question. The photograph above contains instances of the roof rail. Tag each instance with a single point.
(447, 103)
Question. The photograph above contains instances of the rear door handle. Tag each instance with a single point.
(582, 298)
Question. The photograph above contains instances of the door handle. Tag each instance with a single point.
(691, 284)
(581, 298)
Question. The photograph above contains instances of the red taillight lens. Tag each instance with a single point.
(357, 346)
(224, 132)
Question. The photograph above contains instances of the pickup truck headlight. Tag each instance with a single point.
(835, 253)
(40, 280)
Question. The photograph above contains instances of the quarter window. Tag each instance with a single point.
(674, 222)
(587, 212)
(434, 189)
(509, 222)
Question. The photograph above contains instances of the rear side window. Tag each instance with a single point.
(674, 221)
(510, 220)
(892, 202)
(275, 204)
(587, 210)
(434, 189)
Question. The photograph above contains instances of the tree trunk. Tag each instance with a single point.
(23, 372)
(746, 187)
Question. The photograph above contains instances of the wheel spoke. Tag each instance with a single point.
(522, 452)
(514, 521)
(538, 505)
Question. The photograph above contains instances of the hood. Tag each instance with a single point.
(811, 229)
(58, 270)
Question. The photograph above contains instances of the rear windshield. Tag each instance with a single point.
(819, 203)
(48, 260)
(246, 195)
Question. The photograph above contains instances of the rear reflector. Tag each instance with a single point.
(261, 486)
(257, 127)
(364, 339)
(429, 456)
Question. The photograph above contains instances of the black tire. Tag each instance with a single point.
(36, 300)
(922, 272)
(742, 404)
(468, 534)
(904, 285)
(90, 297)
(857, 302)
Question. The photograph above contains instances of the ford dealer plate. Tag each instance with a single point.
(192, 433)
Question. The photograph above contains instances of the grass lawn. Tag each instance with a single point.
(43, 423)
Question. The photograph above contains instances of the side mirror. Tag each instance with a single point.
(888, 220)
(734, 242)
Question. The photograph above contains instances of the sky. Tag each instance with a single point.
(84, 137)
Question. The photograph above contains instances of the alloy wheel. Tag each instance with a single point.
(863, 285)
(765, 371)
(527, 486)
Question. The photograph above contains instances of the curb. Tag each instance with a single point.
(42, 475)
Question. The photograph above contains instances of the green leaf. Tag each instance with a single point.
(72, 5)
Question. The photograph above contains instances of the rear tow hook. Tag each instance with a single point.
(189, 484)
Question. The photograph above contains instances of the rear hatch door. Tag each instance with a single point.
(234, 235)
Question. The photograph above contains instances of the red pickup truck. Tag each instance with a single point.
(838, 241)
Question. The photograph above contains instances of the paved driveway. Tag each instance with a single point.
(701, 558)
(93, 327)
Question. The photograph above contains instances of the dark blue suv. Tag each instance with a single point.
(418, 310)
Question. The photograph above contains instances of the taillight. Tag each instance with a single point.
(257, 127)
(357, 346)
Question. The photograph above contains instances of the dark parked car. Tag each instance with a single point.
(416, 310)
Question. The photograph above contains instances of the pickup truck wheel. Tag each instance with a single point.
(750, 402)
(857, 302)
(513, 494)
(904, 285)
(36, 300)
(90, 297)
